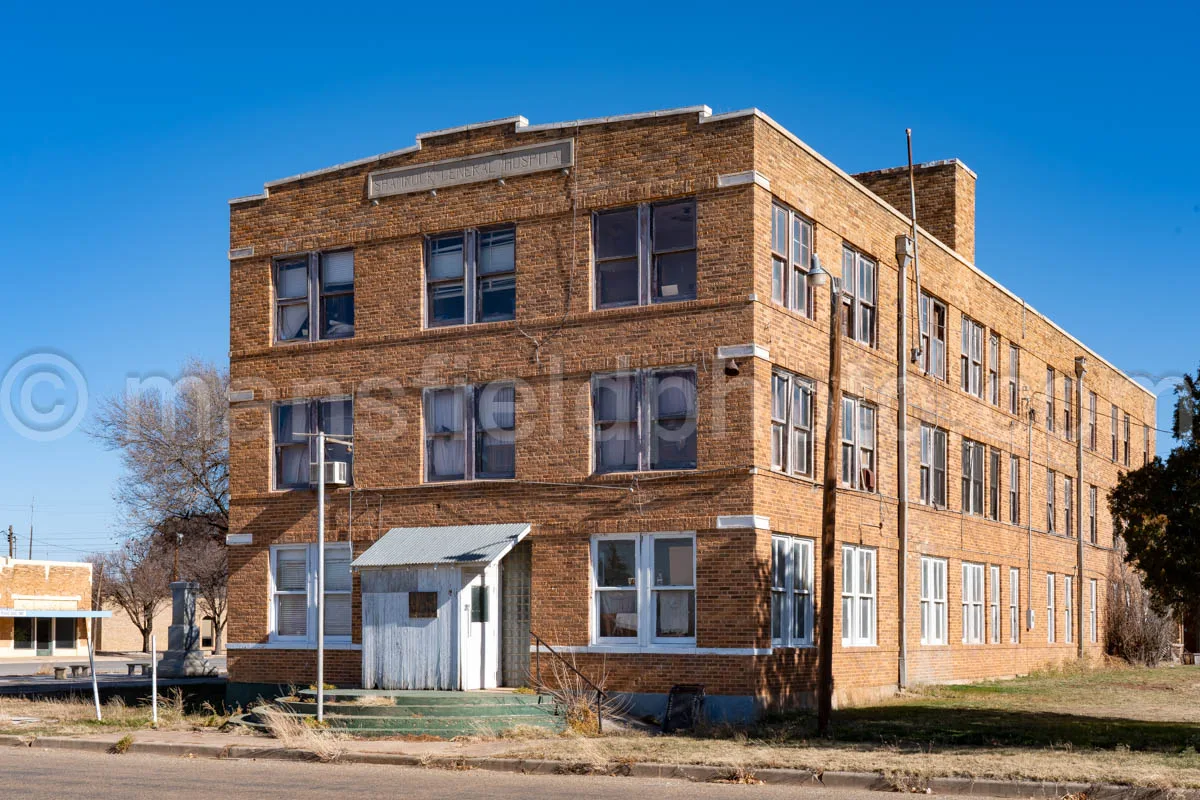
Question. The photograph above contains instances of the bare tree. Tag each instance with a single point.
(174, 446)
(203, 559)
(135, 577)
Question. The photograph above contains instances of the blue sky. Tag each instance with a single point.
(125, 130)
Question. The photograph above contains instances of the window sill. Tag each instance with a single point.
(458, 327)
(779, 646)
(659, 649)
(791, 313)
(809, 479)
(468, 481)
(634, 473)
(299, 644)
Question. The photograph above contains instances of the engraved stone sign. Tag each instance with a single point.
(472, 169)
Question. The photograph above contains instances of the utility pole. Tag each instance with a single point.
(31, 528)
(829, 512)
(12, 541)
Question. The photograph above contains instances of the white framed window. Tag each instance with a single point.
(933, 601)
(994, 484)
(293, 582)
(972, 357)
(858, 296)
(994, 604)
(858, 596)
(1114, 433)
(294, 425)
(1050, 607)
(645, 254)
(1014, 378)
(1068, 408)
(1014, 605)
(314, 286)
(1014, 490)
(972, 603)
(644, 420)
(1068, 609)
(1091, 421)
(791, 591)
(791, 257)
(1051, 513)
(471, 276)
(1050, 412)
(933, 466)
(1126, 440)
(858, 444)
(994, 369)
(1092, 622)
(470, 432)
(644, 589)
(972, 476)
(932, 322)
(792, 439)
(1092, 514)
(1069, 504)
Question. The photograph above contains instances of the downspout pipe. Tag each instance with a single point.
(1080, 372)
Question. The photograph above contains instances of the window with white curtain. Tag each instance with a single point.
(858, 296)
(792, 423)
(314, 286)
(470, 432)
(294, 424)
(972, 603)
(858, 596)
(933, 601)
(933, 466)
(645, 254)
(294, 590)
(858, 444)
(994, 603)
(1068, 608)
(644, 589)
(972, 357)
(644, 420)
(1014, 605)
(791, 255)
(471, 276)
(932, 323)
(791, 591)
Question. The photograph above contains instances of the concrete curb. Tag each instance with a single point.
(976, 787)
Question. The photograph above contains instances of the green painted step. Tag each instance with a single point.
(430, 697)
(433, 710)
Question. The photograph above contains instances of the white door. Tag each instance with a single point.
(480, 627)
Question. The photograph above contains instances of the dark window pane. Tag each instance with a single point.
(291, 280)
(445, 258)
(618, 615)
(674, 445)
(291, 423)
(617, 282)
(422, 605)
(616, 447)
(337, 316)
(615, 398)
(497, 251)
(337, 271)
(616, 233)
(673, 226)
(616, 562)
(497, 299)
(64, 633)
(292, 322)
(291, 466)
(23, 633)
(495, 455)
(675, 276)
(447, 305)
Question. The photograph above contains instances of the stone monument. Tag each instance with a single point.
(183, 658)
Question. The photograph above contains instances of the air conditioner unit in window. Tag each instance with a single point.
(868, 479)
(337, 473)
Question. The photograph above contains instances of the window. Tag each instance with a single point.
(933, 466)
(858, 444)
(1114, 433)
(644, 588)
(645, 254)
(791, 424)
(1050, 398)
(994, 486)
(972, 356)
(933, 600)
(1126, 440)
(858, 596)
(994, 604)
(470, 432)
(1068, 609)
(1069, 408)
(932, 322)
(1014, 490)
(1092, 421)
(471, 276)
(1092, 514)
(791, 255)
(1014, 605)
(994, 369)
(1092, 610)
(972, 476)
(1014, 371)
(1050, 514)
(645, 420)
(1069, 504)
(294, 591)
(1050, 607)
(314, 286)
(791, 591)
(295, 424)
(422, 605)
(972, 603)
(858, 296)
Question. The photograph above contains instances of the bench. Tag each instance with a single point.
(135, 668)
(79, 670)
(60, 673)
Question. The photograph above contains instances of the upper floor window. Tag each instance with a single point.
(791, 424)
(972, 357)
(645, 420)
(932, 321)
(933, 466)
(994, 485)
(1068, 408)
(1069, 504)
(858, 444)
(295, 424)
(791, 591)
(972, 476)
(791, 255)
(1091, 420)
(1014, 379)
(858, 296)
(1092, 514)
(1114, 433)
(1014, 490)
(1050, 510)
(1126, 440)
(471, 276)
(314, 286)
(645, 254)
(470, 432)
(1050, 398)
(994, 369)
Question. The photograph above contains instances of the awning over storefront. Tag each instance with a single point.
(54, 613)
(459, 545)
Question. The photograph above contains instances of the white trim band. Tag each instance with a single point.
(617, 649)
(290, 646)
(744, 351)
(750, 176)
(239, 538)
(756, 521)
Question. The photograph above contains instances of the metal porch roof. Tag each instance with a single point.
(460, 545)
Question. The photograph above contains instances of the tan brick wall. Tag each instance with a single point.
(945, 199)
(62, 584)
(557, 342)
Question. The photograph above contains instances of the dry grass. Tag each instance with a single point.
(298, 733)
(75, 715)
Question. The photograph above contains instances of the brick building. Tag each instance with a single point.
(594, 343)
(42, 606)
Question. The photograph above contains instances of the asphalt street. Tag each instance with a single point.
(33, 774)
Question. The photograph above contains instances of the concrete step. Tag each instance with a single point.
(418, 711)
(428, 697)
